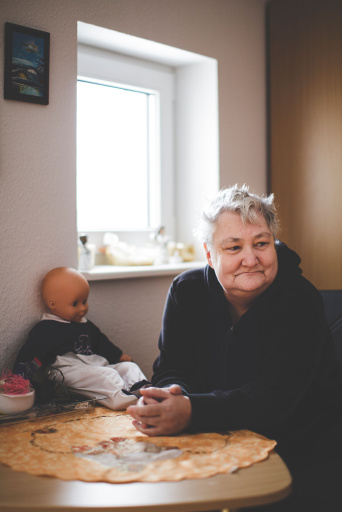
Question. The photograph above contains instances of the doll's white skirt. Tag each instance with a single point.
(92, 375)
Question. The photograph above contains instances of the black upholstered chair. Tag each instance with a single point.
(333, 308)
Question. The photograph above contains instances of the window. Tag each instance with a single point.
(125, 110)
(187, 157)
(117, 132)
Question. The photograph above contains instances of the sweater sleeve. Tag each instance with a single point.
(36, 346)
(103, 346)
(299, 369)
(35, 352)
(182, 358)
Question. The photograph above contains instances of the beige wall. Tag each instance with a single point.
(37, 151)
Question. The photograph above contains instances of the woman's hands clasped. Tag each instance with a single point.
(161, 411)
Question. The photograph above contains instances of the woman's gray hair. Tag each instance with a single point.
(236, 200)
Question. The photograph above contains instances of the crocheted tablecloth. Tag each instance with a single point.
(101, 445)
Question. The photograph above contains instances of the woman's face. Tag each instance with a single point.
(243, 256)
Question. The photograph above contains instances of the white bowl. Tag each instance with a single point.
(11, 404)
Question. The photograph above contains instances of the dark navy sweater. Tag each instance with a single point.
(275, 372)
(49, 339)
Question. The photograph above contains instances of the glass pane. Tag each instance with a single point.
(112, 158)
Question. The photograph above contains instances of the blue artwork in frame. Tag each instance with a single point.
(27, 56)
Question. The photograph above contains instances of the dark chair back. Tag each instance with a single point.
(333, 309)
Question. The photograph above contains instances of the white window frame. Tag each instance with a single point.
(196, 124)
(125, 71)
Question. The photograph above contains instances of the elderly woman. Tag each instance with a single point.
(244, 341)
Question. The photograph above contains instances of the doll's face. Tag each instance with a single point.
(66, 295)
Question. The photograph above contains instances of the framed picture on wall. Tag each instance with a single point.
(27, 59)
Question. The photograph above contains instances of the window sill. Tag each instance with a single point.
(107, 272)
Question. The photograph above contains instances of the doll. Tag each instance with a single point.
(76, 351)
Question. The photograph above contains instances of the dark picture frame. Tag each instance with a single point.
(27, 63)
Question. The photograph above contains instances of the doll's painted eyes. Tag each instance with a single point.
(76, 302)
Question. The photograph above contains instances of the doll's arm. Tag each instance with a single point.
(102, 346)
(33, 353)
